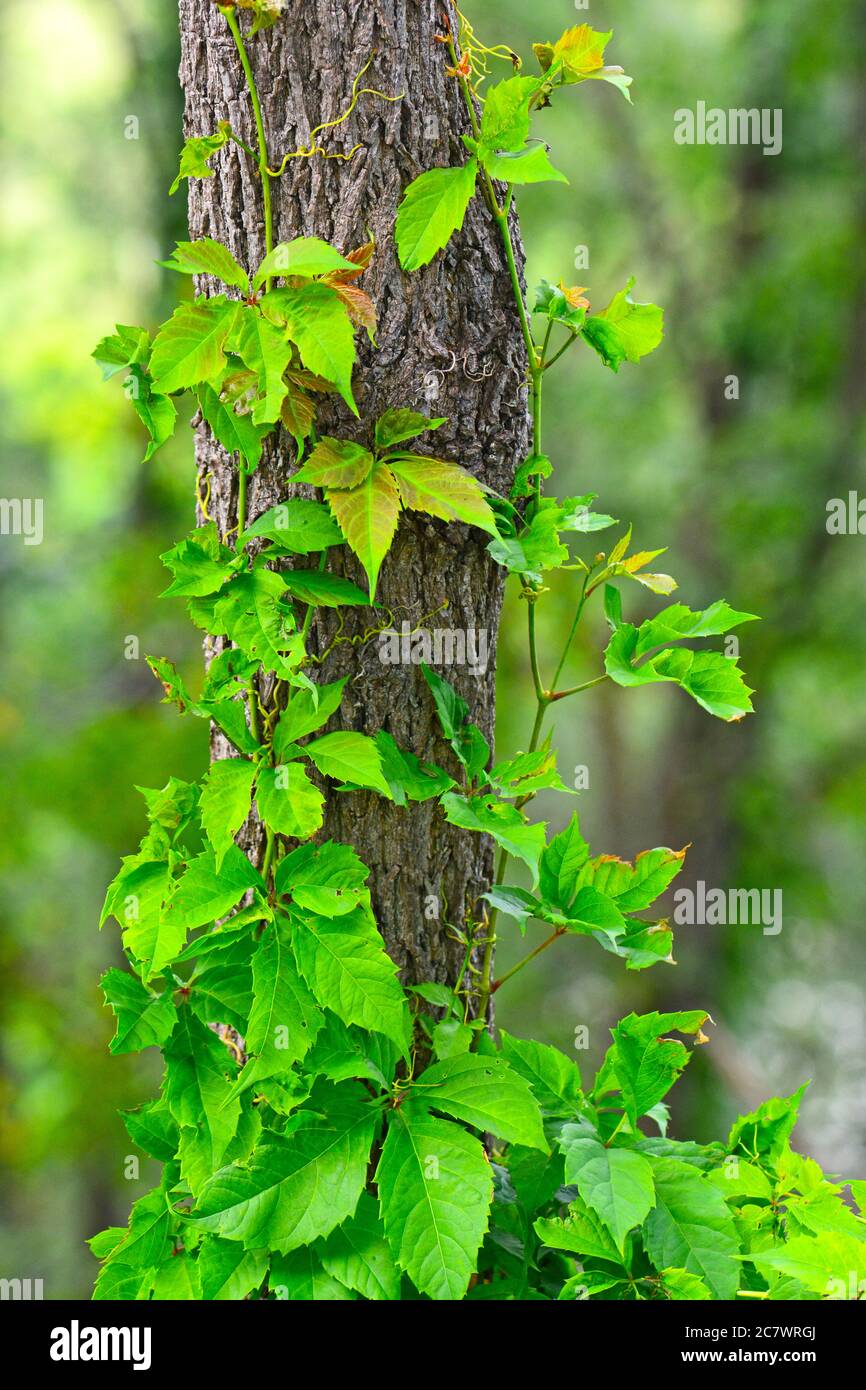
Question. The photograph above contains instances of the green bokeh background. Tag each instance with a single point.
(760, 264)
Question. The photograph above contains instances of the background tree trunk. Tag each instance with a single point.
(449, 345)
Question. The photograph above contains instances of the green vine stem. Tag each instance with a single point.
(535, 371)
(262, 146)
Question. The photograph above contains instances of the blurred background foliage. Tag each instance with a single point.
(759, 262)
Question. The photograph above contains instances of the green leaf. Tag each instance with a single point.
(345, 965)
(530, 165)
(124, 348)
(147, 934)
(407, 777)
(714, 681)
(323, 590)
(396, 426)
(616, 1183)
(348, 757)
(234, 430)
(536, 549)
(326, 879)
(228, 1272)
(172, 806)
(742, 1179)
(451, 1038)
(148, 1241)
(676, 622)
(221, 988)
(144, 1019)
(624, 331)
(646, 1063)
(432, 209)
(636, 886)
(505, 117)
(828, 1264)
(285, 1019)
(533, 466)
(553, 1077)
(561, 865)
(254, 613)
(119, 1281)
(441, 489)
(680, 1285)
(177, 1279)
(642, 945)
(296, 1188)
(691, 1228)
(305, 255)
(367, 516)
(504, 822)
(189, 348)
(527, 773)
(301, 1277)
(581, 1233)
(157, 413)
(205, 893)
(196, 155)
(198, 1094)
(307, 711)
(288, 801)
(298, 525)
(486, 1093)
(764, 1133)
(317, 322)
(435, 1188)
(267, 352)
(591, 913)
(451, 708)
(225, 803)
(467, 741)
(342, 1052)
(208, 257)
(200, 564)
(152, 1128)
(357, 1254)
(102, 1244)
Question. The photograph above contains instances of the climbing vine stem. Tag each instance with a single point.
(262, 150)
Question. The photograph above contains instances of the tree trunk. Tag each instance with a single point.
(449, 345)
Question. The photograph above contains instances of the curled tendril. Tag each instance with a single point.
(477, 53)
(203, 501)
(314, 148)
(371, 632)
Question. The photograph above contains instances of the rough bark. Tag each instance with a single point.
(449, 344)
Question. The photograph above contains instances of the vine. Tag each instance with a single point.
(294, 1058)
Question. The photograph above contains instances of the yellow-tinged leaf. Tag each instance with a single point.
(441, 489)
(619, 550)
(367, 515)
(339, 463)
(641, 558)
(582, 47)
(657, 583)
(298, 414)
